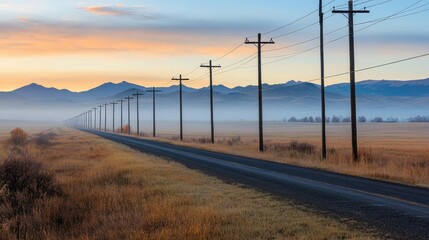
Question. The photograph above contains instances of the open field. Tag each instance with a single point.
(390, 151)
(113, 192)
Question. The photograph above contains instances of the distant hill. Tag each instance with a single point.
(386, 88)
(38, 92)
(109, 89)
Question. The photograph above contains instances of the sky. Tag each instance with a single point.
(78, 45)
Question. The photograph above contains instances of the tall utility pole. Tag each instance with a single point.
(113, 117)
(89, 119)
(137, 94)
(129, 115)
(153, 91)
(259, 44)
(180, 79)
(351, 12)
(121, 101)
(322, 79)
(99, 126)
(210, 66)
(85, 120)
(95, 118)
(105, 117)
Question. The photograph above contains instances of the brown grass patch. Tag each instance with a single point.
(129, 195)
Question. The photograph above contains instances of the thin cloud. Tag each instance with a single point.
(140, 13)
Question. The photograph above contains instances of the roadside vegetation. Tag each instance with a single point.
(85, 187)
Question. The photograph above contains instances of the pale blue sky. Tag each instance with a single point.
(155, 39)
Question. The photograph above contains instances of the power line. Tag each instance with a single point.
(293, 22)
(375, 22)
(301, 29)
(373, 67)
(378, 4)
(228, 53)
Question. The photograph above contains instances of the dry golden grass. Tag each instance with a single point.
(113, 192)
(393, 152)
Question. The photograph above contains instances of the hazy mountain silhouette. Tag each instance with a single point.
(109, 89)
(415, 88)
(375, 98)
(38, 92)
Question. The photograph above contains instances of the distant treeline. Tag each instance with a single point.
(419, 119)
(361, 119)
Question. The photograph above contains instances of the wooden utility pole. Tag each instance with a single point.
(122, 124)
(137, 94)
(89, 122)
(99, 126)
(95, 118)
(210, 66)
(322, 79)
(129, 115)
(350, 14)
(105, 117)
(154, 91)
(113, 117)
(259, 44)
(180, 79)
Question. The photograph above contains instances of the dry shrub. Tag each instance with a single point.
(301, 147)
(277, 147)
(96, 153)
(201, 140)
(230, 141)
(44, 139)
(175, 138)
(18, 137)
(23, 182)
(293, 148)
(126, 128)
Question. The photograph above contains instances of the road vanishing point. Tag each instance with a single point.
(395, 211)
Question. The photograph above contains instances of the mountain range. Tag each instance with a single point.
(385, 98)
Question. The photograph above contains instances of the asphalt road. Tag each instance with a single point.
(394, 210)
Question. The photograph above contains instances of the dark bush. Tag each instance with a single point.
(335, 119)
(377, 120)
(362, 119)
(23, 182)
(44, 139)
(18, 137)
(301, 147)
(419, 118)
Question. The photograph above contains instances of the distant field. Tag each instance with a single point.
(336, 133)
(391, 151)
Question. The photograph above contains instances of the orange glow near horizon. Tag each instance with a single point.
(130, 43)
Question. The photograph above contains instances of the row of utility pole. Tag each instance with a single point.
(85, 120)
(88, 119)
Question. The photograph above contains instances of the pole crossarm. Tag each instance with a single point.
(137, 94)
(180, 79)
(129, 98)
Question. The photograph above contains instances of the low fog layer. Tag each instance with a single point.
(293, 99)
